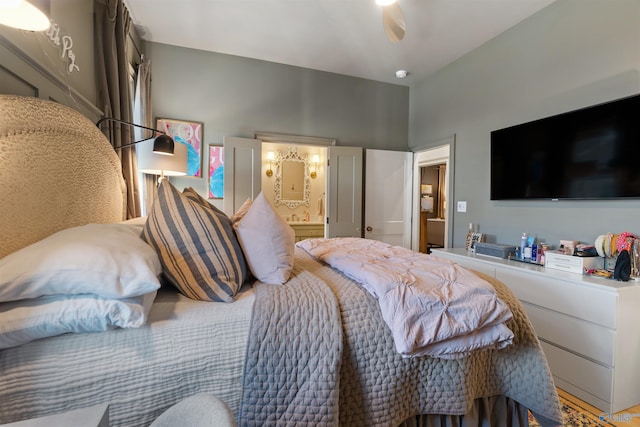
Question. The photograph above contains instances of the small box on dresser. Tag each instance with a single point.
(570, 263)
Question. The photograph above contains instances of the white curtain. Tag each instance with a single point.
(144, 116)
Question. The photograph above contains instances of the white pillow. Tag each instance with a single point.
(28, 320)
(110, 260)
(267, 241)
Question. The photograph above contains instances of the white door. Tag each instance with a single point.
(242, 167)
(344, 192)
(387, 196)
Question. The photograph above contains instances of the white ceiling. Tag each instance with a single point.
(339, 36)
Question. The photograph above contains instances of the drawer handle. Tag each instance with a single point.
(369, 228)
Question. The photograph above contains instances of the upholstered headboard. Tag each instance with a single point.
(57, 170)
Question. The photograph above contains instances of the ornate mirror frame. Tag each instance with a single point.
(282, 195)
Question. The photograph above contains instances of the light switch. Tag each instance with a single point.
(462, 206)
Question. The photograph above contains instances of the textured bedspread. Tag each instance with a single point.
(292, 365)
(432, 306)
(380, 387)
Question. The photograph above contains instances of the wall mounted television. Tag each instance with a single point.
(591, 153)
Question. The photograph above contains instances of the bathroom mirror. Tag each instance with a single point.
(292, 183)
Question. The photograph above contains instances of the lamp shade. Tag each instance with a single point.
(159, 164)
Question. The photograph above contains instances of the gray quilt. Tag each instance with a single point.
(332, 361)
(292, 365)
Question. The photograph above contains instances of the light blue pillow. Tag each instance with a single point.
(28, 320)
(109, 260)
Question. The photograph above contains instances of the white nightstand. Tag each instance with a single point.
(93, 416)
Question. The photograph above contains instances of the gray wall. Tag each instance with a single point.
(572, 54)
(31, 64)
(237, 96)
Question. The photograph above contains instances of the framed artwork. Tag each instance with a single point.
(189, 133)
(216, 171)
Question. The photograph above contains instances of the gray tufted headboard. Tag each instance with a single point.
(57, 170)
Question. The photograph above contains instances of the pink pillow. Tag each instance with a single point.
(267, 241)
(236, 217)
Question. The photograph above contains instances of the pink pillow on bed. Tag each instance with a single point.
(267, 241)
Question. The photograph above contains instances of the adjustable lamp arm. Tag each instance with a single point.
(163, 144)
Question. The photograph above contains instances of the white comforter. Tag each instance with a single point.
(433, 306)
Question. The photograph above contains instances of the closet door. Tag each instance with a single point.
(242, 168)
(344, 192)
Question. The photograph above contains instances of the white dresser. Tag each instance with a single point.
(589, 327)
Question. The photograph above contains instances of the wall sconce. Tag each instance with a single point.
(315, 160)
(271, 156)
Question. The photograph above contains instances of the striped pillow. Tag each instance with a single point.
(196, 197)
(197, 246)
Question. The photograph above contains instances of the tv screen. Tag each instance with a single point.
(591, 153)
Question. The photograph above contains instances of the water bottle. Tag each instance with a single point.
(523, 245)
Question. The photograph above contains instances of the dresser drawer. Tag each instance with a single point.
(574, 299)
(591, 377)
(593, 341)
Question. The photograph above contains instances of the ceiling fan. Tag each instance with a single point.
(392, 19)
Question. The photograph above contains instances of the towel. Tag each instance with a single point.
(321, 206)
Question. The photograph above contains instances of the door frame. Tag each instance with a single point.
(438, 152)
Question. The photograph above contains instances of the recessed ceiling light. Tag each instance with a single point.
(385, 2)
(401, 74)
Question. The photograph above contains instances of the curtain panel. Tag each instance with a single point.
(112, 25)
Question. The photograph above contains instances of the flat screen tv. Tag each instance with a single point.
(591, 153)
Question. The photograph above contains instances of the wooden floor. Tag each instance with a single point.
(629, 417)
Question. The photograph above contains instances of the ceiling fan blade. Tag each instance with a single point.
(393, 22)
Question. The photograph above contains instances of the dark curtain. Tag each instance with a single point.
(114, 94)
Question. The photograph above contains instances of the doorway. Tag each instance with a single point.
(432, 207)
(433, 193)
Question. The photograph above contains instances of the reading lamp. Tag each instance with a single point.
(163, 144)
(152, 163)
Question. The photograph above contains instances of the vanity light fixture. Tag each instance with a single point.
(271, 156)
(23, 15)
(315, 160)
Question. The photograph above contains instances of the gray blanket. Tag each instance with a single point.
(292, 365)
(377, 386)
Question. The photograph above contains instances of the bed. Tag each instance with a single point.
(316, 349)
